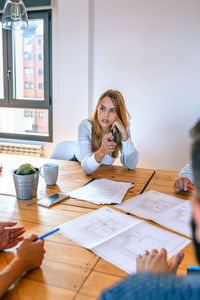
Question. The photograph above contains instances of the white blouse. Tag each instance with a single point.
(187, 172)
(128, 157)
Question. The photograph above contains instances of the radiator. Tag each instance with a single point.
(22, 149)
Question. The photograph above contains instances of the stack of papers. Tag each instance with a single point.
(119, 238)
(102, 191)
(168, 211)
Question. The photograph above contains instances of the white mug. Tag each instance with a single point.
(50, 171)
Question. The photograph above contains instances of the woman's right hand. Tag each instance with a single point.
(107, 145)
(181, 184)
(31, 253)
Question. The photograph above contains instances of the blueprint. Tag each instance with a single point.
(119, 238)
(166, 210)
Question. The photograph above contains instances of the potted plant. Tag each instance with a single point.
(26, 181)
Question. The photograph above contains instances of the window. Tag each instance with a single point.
(29, 114)
(27, 56)
(1, 63)
(41, 85)
(40, 72)
(28, 85)
(42, 115)
(28, 71)
(40, 56)
(40, 42)
(25, 74)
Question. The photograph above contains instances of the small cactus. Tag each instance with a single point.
(25, 169)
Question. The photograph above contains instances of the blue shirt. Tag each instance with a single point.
(147, 286)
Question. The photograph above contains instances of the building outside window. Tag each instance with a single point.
(25, 79)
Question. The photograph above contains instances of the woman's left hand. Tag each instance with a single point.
(10, 237)
(119, 125)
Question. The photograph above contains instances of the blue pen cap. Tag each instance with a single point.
(193, 268)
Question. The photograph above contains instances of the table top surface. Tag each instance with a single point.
(70, 271)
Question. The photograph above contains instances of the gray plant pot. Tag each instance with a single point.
(26, 185)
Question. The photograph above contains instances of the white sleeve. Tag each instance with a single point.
(86, 156)
(129, 155)
(187, 172)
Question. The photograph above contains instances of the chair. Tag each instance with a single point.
(64, 150)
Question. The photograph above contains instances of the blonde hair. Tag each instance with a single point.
(121, 110)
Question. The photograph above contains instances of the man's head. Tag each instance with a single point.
(196, 198)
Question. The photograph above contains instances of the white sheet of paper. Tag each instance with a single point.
(102, 191)
(150, 204)
(96, 227)
(178, 218)
(123, 249)
(166, 210)
(119, 238)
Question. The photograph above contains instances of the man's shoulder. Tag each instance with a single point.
(150, 286)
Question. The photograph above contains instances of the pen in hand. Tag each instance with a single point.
(45, 235)
(191, 188)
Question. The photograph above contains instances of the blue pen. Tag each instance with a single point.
(193, 268)
(45, 235)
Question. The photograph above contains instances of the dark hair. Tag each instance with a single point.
(195, 132)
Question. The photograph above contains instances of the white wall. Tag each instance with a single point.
(70, 68)
(150, 51)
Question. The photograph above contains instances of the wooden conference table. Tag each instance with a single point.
(68, 270)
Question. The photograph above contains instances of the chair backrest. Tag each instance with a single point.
(64, 150)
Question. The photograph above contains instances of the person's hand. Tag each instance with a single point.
(181, 184)
(31, 253)
(119, 125)
(107, 145)
(156, 262)
(10, 237)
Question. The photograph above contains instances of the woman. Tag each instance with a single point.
(101, 138)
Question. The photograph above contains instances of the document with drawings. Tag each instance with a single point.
(119, 238)
(102, 191)
(166, 210)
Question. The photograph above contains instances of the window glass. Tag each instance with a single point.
(28, 59)
(24, 121)
(1, 64)
(25, 80)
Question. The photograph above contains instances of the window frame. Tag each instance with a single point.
(8, 100)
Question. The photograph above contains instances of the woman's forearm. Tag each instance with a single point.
(99, 155)
(10, 274)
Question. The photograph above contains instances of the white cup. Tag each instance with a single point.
(50, 171)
